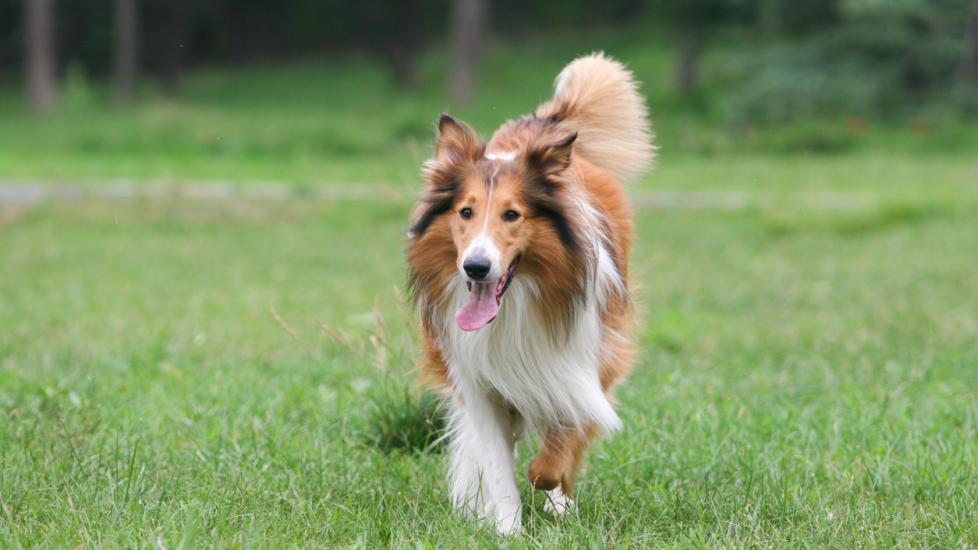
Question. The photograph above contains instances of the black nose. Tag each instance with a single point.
(477, 268)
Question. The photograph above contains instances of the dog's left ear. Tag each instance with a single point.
(551, 158)
(457, 143)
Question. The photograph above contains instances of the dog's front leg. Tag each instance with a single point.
(482, 475)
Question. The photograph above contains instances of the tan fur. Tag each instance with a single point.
(559, 459)
(511, 237)
(434, 370)
(619, 316)
(562, 449)
(596, 98)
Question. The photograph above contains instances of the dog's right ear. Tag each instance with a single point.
(456, 147)
(457, 143)
(552, 158)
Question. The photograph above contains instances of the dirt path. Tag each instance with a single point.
(30, 193)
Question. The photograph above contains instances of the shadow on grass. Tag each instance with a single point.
(402, 418)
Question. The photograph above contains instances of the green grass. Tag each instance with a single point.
(237, 374)
(343, 120)
(807, 375)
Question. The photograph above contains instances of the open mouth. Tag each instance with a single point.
(484, 299)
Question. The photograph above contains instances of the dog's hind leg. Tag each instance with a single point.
(554, 468)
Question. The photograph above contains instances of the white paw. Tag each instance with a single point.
(509, 524)
(557, 502)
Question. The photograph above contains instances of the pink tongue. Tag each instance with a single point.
(480, 309)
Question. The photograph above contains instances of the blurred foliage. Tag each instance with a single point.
(79, 93)
(869, 58)
(344, 121)
(739, 64)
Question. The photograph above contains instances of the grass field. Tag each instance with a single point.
(181, 373)
(807, 375)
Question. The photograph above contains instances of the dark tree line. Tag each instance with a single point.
(39, 46)
(925, 43)
(161, 38)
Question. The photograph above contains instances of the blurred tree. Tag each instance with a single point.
(817, 54)
(527, 17)
(167, 44)
(694, 21)
(469, 32)
(967, 71)
(126, 50)
(791, 18)
(626, 11)
(868, 57)
(405, 44)
(915, 46)
(396, 31)
(11, 35)
(39, 49)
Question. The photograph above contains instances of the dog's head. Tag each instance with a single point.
(488, 218)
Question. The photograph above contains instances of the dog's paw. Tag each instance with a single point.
(557, 502)
(509, 525)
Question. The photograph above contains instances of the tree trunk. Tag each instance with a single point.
(469, 29)
(126, 51)
(688, 62)
(968, 64)
(40, 51)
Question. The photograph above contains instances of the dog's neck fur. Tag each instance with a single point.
(518, 358)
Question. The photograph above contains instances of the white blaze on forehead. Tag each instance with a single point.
(482, 246)
(502, 155)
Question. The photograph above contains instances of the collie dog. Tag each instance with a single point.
(518, 264)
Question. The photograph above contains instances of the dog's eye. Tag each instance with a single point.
(511, 215)
(466, 213)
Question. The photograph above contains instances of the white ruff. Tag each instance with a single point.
(547, 381)
(513, 364)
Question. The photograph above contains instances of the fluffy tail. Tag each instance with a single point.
(597, 97)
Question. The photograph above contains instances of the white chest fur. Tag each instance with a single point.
(547, 381)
